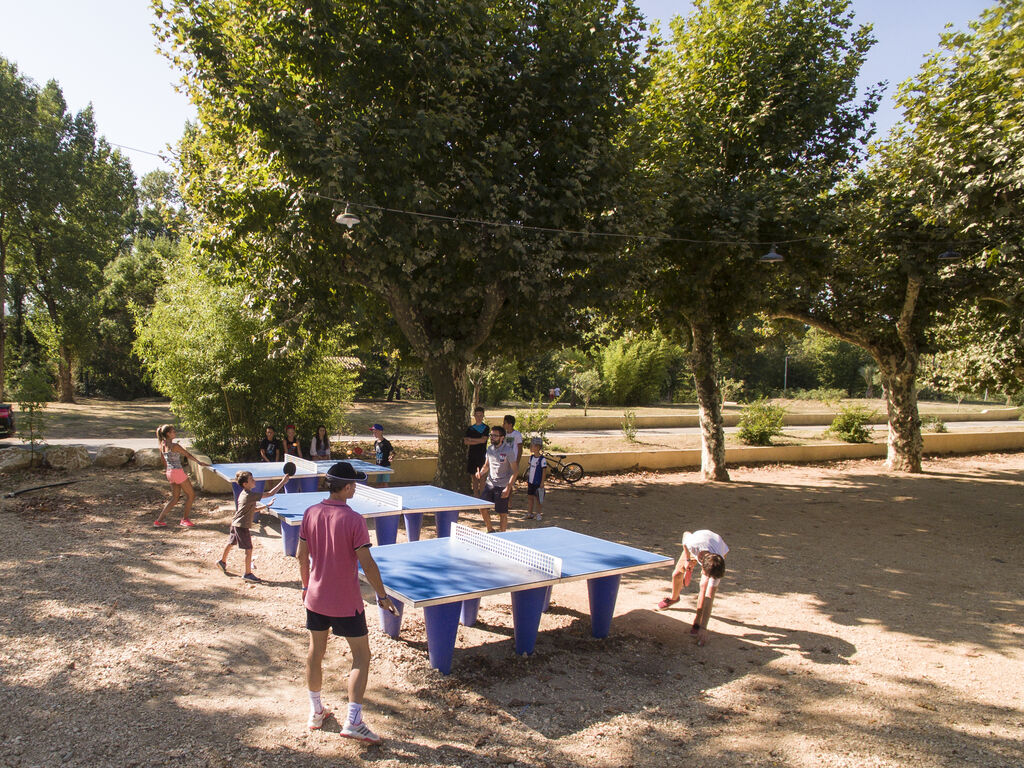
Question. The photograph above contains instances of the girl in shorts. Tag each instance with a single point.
(172, 453)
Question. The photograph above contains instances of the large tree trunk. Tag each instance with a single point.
(67, 388)
(899, 380)
(709, 404)
(449, 380)
(3, 304)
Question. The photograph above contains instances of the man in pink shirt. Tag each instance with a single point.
(333, 543)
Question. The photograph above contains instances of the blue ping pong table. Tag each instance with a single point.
(447, 577)
(307, 473)
(385, 505)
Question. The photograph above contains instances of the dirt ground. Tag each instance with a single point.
(865, 620)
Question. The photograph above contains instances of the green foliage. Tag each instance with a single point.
(850, 424)
(586, 384)
(230, 371)
(824, 395)
(836, 363)
(32, 391)
(633, 369)
(629, 425)
(536, 421)
(423, 116)
(933, 424)
(731, 389)
(760, 422)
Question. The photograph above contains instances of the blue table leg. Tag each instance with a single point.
(390, 623)
(289, 537)
(527, 606)
(387, 529)
(547, 599)
(469, 610)
(603, 591)
(442, 627)
(444, 522)
(413, 524)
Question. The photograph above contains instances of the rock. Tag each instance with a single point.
(148, 457)
(68, 456)
(15, 459)
(113, 456)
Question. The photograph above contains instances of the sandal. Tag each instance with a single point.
(666, 603)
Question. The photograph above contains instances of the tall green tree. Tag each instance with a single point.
(949, 177)
(752, 116)
(76, 218)
(413, 112)
(16, 120)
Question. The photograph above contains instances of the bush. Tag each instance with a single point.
(629, 425)
(850, 424)
(230, 371)
(634, 369)
(825, 395)
(32, 391)
(536, 421)
(760, 422)
(933, 424)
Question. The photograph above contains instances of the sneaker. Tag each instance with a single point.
(361, 732)
(223, 566)
(539, 518)
(159, 524)
(253, 578)
(316, 721)
(186, 523)
(666, 603)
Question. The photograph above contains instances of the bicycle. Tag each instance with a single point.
(569, 471)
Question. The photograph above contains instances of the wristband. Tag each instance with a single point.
(380, 599)
(305, 589)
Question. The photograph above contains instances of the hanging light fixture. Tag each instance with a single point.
(772, 256)
(347, 219)
(949, 255)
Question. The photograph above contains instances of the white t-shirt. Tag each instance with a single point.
(515, 439)
(706, 541)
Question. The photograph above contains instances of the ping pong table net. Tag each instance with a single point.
(303, 465)
(498, 547)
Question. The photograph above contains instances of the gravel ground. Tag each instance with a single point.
(865, 620)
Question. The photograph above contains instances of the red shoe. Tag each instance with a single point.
(666, 603)
(186, 523)
(159, 524)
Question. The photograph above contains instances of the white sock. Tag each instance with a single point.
(355, 713)
(315, 703)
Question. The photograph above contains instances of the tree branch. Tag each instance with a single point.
(823, 325)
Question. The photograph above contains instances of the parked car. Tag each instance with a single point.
(6, 420)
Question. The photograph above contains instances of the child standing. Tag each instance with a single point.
(291, 442)
(172, 453)
(242, 521)
(536, 475)
(707, 548)
(383, 451)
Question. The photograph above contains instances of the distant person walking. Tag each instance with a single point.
(172, 453)
(476, 454)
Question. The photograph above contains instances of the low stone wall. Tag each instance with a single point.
(422, 470)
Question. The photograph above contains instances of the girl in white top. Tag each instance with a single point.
(320, 445)
(709, 549)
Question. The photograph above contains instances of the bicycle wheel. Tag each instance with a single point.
(572, 472)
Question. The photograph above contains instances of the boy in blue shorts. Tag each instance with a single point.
(536, 475)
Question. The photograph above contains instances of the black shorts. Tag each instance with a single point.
(241, 537)
(343, 626)
(474, 463)
(490, 493)
(531, 489)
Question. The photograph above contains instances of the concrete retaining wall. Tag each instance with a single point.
(422, 470)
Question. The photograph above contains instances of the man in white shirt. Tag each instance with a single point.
(500, 470)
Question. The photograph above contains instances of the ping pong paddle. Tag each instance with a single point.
(289, 468)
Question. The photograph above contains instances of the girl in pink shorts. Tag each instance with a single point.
(172, 453)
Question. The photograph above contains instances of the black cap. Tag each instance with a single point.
(343, 471)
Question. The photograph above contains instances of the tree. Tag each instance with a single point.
(76, 212)
(586, 383)
(428, 118)
(230, 372)
(752, 116)
(16, 120)
(951, 175)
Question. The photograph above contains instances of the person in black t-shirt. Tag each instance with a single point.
(477, 435)
(270, 447)
(383, 451)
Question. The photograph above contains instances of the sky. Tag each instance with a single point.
(105, 52)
